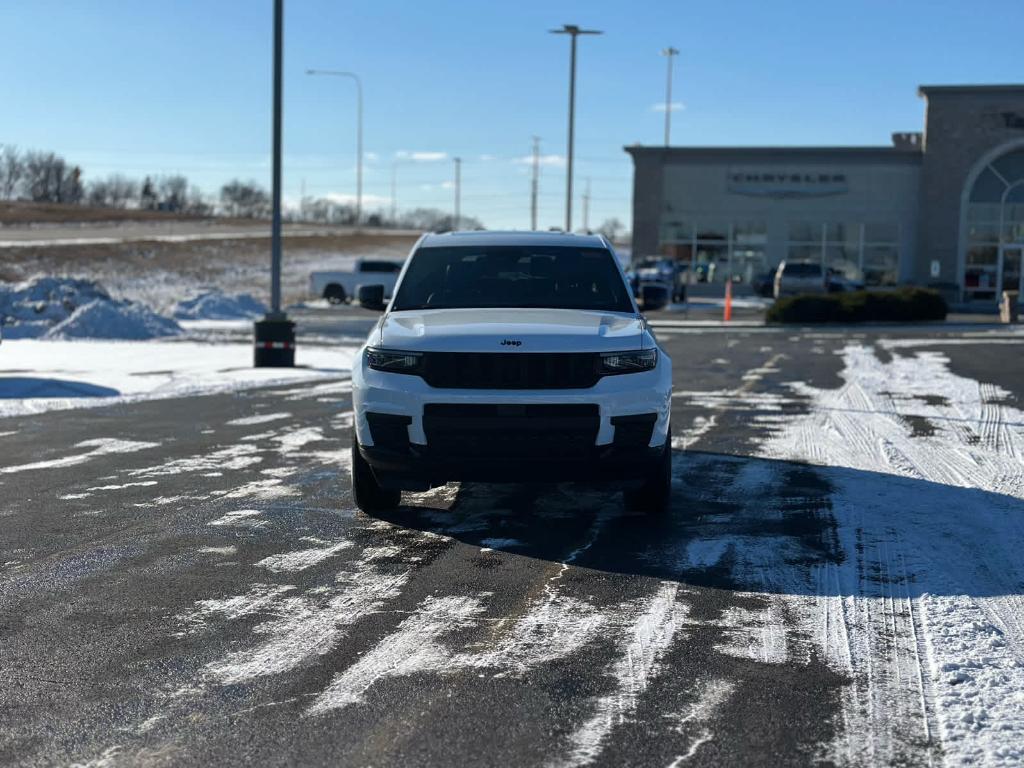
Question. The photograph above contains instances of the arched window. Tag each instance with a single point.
(995, 228)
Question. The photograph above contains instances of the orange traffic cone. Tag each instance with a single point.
(727, 316)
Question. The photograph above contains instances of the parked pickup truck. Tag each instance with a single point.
(338, 287)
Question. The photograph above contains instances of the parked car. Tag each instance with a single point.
(510, 357)
(340, 286)
(667, 272)
(793, 277)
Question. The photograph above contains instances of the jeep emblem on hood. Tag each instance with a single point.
(511, 343)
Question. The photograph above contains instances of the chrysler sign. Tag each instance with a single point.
(785, 183)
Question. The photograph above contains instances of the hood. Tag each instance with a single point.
(523, 330)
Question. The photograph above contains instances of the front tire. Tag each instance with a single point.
(369, 495)
(653, 497)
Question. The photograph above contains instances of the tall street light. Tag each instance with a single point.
(458, 191)
(359, 132)
(669, 53)
(573, 31)
(275, 334)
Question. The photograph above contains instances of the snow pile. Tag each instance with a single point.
(79, 373)
(102, 319)
(216, 305)
(63, 307)
(31, 308)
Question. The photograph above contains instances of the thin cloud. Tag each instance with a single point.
(677, 106)
(546, 161)
(420, 156)
(345, 198)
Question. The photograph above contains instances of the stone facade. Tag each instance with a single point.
(965, 126)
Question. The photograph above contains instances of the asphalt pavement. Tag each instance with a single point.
(188, 582)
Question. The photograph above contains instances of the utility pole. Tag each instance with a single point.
(669, 53)
(359, 132)
(394, 192)
(586, 207)
(275, 334)
(573, 31)
(534, 182)
(458, 189)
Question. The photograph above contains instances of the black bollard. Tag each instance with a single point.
(275, 344)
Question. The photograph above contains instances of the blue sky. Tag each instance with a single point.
(184, 86)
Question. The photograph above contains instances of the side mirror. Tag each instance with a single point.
(371, 297)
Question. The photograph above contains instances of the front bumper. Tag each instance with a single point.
(610, 449)
(421, 468)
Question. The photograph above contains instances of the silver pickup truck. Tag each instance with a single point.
(340, 286)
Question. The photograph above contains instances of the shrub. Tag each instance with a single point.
(900, 306)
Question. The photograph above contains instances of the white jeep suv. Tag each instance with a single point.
(510, 357)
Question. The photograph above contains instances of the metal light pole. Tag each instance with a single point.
(573, 31)
(458, 190)
(394, 192)
(669, 53)
(586, 207)
(534, 182)
(275, 334)
(359, 132)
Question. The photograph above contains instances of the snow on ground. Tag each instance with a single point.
(925, 611)
(39, 375)
(217, 305)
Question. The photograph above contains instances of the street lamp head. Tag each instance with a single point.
(670, 51)
(572, 29)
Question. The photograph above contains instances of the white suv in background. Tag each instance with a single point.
(794, 277)
(510, 357)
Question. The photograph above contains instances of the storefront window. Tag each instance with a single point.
(881, 265)
(995, 224)
(750, 233)
(712, 263)
(804, 232)
(748, 264)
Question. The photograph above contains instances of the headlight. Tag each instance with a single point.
(629, 362)
(393, 360)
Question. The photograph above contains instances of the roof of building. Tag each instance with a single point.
(927, 90)
(512, 237)
(781, 154)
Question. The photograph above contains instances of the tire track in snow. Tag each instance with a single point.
(932, 571)
(644, 641)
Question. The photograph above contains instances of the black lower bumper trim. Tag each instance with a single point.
(420, 468)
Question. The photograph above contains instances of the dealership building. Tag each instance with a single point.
(943, 208)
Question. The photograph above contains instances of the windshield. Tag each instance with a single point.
(802, 270)
(513, 276)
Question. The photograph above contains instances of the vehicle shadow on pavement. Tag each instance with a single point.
(755, 524)
(16, 387)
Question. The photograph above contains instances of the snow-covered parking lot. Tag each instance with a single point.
(839, 579)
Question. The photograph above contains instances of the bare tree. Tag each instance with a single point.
(115, 191)
(12, 169)
(172, 193)
(245, 198)
(49, 179)
(147, 197)
(196, 203)
(433, 220)
(611, 228)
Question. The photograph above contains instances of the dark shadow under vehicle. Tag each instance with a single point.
(753, 524)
